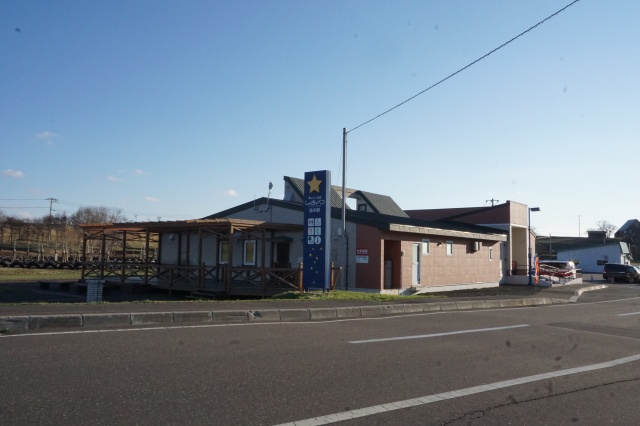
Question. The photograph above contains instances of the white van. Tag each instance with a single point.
(558, 268)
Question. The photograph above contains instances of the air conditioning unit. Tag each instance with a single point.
(476, 245)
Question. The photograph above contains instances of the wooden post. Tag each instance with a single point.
(124, 257)
(201, 273)
(300, 287)
(84, 255)
(331, 277)
(104, 253)
(188, 250)
(146, 257)
(230, 262)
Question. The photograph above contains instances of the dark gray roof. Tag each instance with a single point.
(380, 221)
(630, 224)
(298, 185)
(382, 204)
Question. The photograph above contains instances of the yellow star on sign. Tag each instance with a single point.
(314, 184)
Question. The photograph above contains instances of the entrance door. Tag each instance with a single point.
(281, 259)
(415, 263)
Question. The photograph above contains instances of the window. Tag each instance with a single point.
(362, 207)
(490, 253)
(223, 253)
(425, 247)
(449, 248)
(249, 256)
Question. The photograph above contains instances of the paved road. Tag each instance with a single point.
(270, 374)
(502, 292)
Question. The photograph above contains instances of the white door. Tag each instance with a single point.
(415, 264)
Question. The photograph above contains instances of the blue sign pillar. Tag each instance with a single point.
(316, 269)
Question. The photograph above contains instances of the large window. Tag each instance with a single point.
(249, 256)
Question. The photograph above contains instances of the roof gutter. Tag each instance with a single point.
(446, 232)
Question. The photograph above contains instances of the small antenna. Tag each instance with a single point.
(492, 201)
(269, 195)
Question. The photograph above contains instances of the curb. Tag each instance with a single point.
(120, 320)
(578, 293)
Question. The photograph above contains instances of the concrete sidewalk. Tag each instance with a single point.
(78, 316)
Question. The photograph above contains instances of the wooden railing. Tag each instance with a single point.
(254, 280)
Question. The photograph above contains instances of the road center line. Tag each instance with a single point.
(407, 403)
(450, 333)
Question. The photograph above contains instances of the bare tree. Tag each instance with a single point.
(606, 226)
(95, 215)
(86, 215)
(3, 218)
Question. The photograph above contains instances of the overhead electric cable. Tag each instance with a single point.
(466, 66)
(23, 199)
(124, 211)
(21, 207)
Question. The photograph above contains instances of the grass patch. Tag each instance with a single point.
(346, 295)
(32, 274)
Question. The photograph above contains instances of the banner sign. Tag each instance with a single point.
(362, 255)
(316, 263)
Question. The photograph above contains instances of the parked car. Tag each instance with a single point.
(613, 272)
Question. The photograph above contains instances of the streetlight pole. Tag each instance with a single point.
(531, 209)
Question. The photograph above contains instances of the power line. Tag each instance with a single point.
(123, 211)
(23, 199)
(21, 207)
(466, 66)
(67, 203)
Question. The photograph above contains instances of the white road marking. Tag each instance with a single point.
(450, 333)
(398, 405)
(114, 330)
(630, 313)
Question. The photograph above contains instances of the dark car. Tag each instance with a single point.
(620, 272)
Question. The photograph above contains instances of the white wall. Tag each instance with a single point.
(589, 256)
(272, 214)
(169, 248)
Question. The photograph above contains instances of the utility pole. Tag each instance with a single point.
(492, 201)
(579, 226)
(345, 237)
(51, 201)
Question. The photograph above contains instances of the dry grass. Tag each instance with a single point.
(32, 274)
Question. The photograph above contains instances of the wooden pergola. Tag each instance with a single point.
(117, 244)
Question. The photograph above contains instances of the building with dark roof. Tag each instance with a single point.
(381, 248)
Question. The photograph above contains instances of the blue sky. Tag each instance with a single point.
(180, 109)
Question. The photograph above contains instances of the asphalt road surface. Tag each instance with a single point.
(556, 365)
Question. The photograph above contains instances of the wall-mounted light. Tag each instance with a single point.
(439, 243)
